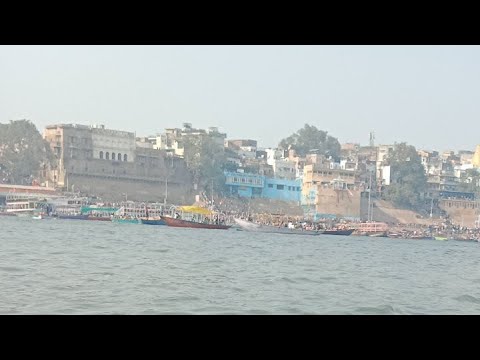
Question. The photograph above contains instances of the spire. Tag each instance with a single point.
(372, 139)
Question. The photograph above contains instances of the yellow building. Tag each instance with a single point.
(476, 157)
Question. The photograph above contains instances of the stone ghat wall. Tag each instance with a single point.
(462, 213)
(115, 189)
(338, 202)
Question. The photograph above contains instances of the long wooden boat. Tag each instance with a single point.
(72, 217)
(344, 232)
(192, 224)
(98, 218)
(250, 226)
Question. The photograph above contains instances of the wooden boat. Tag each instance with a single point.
(378, 234)
(72, 217)
(344, 232)
(152, 221)
(250, 226)
(421, 237)
(374, 229)
(170, 221)
(98, 218)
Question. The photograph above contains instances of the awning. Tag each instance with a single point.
(196, 210)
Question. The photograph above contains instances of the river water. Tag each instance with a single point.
(89, 267)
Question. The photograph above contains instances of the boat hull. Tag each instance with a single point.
(72, 217)
(347, 232)
(249, 226)
(191, 224)
(98, 218)
(126, 221)
(152, 222)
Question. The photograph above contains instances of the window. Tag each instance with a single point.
(101, 154)
(125, 157)
(113, 156)
(270, 185)
(280, 187)
(119, 157)
(107, 155)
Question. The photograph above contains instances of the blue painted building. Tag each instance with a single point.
(259, 186)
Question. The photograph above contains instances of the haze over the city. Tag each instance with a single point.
(424, 95)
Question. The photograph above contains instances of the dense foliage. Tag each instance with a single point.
(310, 138)
(206, 160)
(22, 152)
(408, 179)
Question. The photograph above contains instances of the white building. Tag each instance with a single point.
(284, 169)
(113, 144)
(273, 155)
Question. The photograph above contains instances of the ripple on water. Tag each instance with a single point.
(468, 298)
(11, 269)
(94, 267)
(376, 310)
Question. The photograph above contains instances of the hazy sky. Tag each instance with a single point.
(427, 96)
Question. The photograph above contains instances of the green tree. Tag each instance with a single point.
(408, 180)
(309, 138)
(206, 160)
(471, 181)
(22, 151)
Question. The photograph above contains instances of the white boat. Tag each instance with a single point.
(21, 207)
(251, 226)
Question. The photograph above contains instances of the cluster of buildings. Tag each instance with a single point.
(119, 165)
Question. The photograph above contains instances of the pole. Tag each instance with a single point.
(369, 197)
(431, 209)
(166, 191)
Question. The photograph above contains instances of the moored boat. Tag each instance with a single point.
(126, 221)
(71, 216)
(251, 226)
(98, 218)
(344, 232)
(152, 221)
(192, 224)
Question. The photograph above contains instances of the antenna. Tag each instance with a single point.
(372, 139)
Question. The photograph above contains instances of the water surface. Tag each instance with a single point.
(88, 267)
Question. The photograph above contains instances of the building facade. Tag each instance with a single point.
(106, 162)
(260, 186)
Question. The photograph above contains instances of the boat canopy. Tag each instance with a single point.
(196, 210)
(86, 209)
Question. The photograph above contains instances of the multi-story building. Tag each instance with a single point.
(173, 139)
(260, 186)
(330, 192)
(96, 160)
(476, 157)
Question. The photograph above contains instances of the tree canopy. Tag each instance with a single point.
(206, 159)
(310, 138)
(408, 179)
(22, 151)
